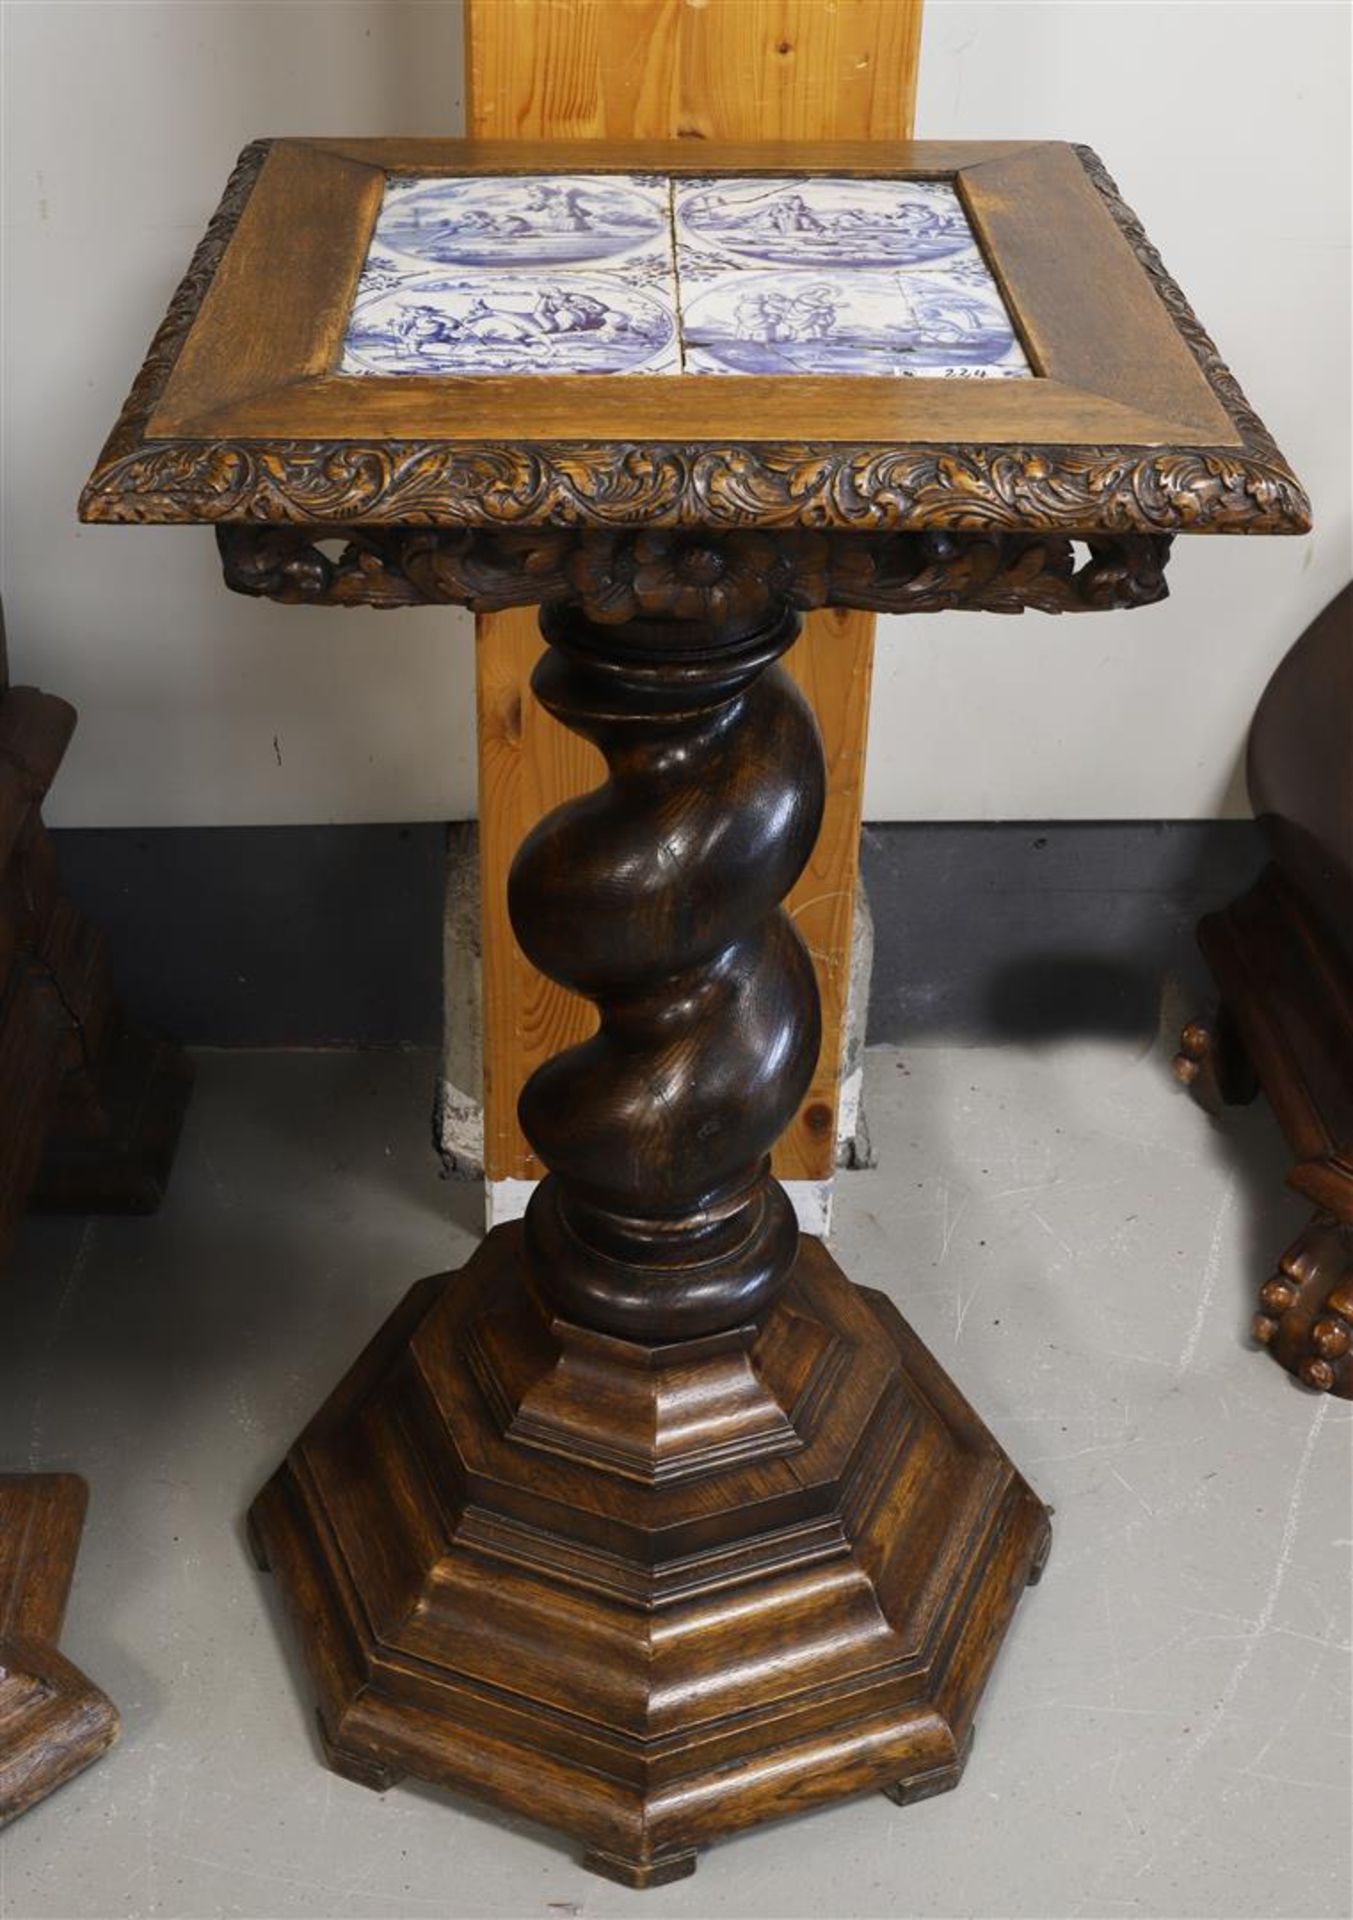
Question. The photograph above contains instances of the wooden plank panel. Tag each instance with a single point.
(833, 664)
(697, 69)
(528, 763)
(649, 69)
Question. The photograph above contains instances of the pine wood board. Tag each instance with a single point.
(650, 69)
(698, 69)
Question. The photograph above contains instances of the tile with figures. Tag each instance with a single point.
(506, 323)
(848, 322)
(807, 222)
(496, 274)
(636, 273)
(541, 223)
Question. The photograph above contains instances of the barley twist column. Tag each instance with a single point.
(658, 897)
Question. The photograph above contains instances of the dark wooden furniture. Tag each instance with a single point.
(53, 1721)
(649, 1524)
(91, 1107)
(1282, 958)
(89, 1118)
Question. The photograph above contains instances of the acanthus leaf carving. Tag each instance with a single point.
(1074, 490)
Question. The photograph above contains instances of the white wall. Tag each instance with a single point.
(123, 121)
(1227, 127)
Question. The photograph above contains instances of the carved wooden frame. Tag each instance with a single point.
(1134, 424)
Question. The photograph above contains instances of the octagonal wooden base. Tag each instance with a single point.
(648, 1595)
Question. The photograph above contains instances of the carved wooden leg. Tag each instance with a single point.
(1287, 986)
(648, 1523)
(53, 1721)
(1305, 1314)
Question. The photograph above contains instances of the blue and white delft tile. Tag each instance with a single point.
(571, 274)
(816, 223)
(524, 223)
(854, 322)
(480, 276)
(505, 323)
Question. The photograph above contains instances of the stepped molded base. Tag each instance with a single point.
(648, 1595)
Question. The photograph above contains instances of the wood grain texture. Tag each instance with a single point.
(261, 437)
(722, 70)
(530, 763)
(833, 666)
(1118, 364)
(659, 896)
(648, 1595)
(648, 1524)
(53, 1721)
(582, 410)
(633, 69)
(317, 217)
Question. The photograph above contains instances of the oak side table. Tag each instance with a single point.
(648, 1524)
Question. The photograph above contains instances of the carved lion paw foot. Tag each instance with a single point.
(1305, 1315)
(1213, 1064)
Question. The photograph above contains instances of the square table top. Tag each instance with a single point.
(624, 274)
(456, 333)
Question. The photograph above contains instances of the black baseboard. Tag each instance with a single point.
(1007, 932)
(269, 936)
(317, 936)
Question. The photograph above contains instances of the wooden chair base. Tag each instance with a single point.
(53, 1722)
(648, 1595)
(1285, 1025)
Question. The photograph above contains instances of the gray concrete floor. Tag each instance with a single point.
(1167, 1732)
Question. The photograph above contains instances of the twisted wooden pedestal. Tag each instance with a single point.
(648, 1524)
